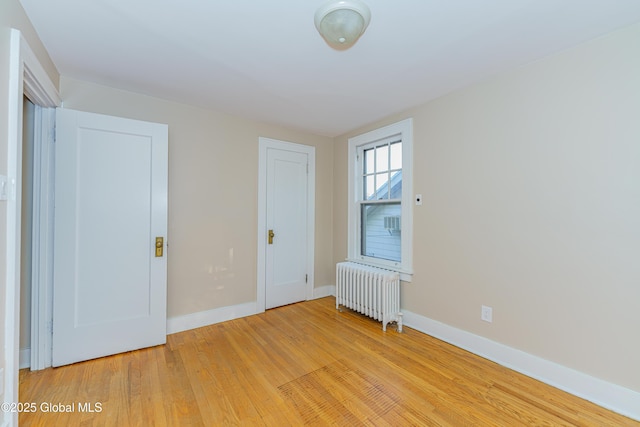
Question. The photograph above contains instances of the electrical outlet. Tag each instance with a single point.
(486, 314)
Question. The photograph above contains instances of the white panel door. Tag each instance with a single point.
(111, 203)
(287, 216)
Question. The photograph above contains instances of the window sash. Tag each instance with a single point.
(377, 172)
(380, 230)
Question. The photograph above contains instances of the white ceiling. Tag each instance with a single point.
(264, 60)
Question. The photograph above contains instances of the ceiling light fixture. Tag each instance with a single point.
(342, 22)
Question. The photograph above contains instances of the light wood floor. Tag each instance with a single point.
(303, 364)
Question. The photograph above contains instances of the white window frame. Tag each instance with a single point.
(401, 130)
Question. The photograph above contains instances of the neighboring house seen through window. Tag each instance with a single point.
(380, 194)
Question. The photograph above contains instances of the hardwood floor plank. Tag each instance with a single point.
(303, 364)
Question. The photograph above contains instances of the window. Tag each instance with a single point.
(380, 194)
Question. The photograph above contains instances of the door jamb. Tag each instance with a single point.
(264, 145)
(42, 252)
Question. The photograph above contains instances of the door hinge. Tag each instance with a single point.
(307, 168)
(306, 278)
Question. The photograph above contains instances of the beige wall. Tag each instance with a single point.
(531, 187)
(213, 182)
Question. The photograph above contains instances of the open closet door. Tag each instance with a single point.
(110, 266)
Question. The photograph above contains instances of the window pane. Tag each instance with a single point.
(396, 185)
(369, 160)
(382, 158)
(396, 155)
(382, 186)
(381, 231)
(369, 187)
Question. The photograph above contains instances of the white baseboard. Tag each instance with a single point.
(324, 291)
(24, 358)
(608, 395)
(222, 314)
(210, 317)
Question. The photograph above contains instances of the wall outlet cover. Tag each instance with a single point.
(486, 314)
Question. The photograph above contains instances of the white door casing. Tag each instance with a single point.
(287, 206)
(111, 204)
(26, 77)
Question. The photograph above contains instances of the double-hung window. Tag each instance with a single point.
(380, 195)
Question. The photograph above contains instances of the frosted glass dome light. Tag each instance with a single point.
(342, 22)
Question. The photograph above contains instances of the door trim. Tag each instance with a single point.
(26, 77)
(264, 145)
